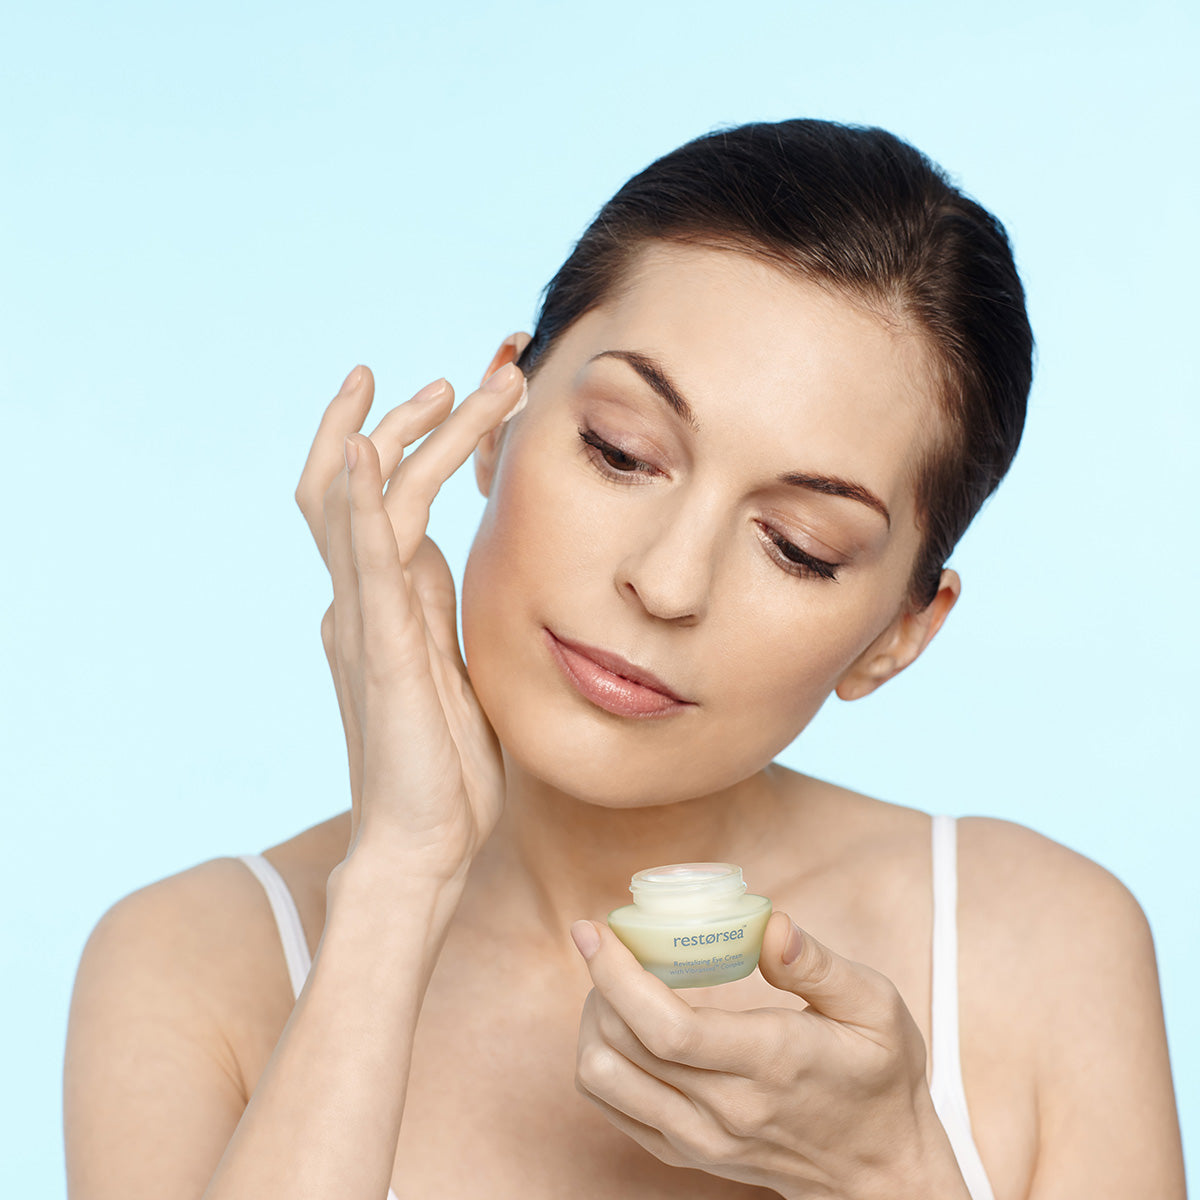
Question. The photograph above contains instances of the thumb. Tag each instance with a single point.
(839, 988)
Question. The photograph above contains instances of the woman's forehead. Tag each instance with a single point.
(768, 359)
(777, 317)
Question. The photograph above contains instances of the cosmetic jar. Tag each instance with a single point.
(692, 924)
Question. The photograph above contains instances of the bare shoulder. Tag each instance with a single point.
(180, 996)
(176, 981)
(1057, 961)
(201, 943)
(1019, 879)
(1056, 924)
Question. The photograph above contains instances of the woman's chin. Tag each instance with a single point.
(575, 755)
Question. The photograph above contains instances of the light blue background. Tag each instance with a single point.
(210, 213)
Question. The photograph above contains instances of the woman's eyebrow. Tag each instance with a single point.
(826, 485)
(831, 485)
(652, 372)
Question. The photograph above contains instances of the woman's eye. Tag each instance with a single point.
(800, 562)
(617, 461)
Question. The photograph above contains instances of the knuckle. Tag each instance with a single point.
(378, 676)
(894, 1008)
(891, 1012)
(596, 1067)
(714, 1146)
(822, 964)
(675, 1041)
(862, 1073)
(609, 1024)
(334, 497)
(745, 1115)
(418, 485)
(437, 594)
(668, 1150)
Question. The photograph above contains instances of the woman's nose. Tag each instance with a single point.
(671, 572)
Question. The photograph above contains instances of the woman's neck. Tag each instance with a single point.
(553, 858)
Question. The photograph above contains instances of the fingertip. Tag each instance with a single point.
(793, 946)
(520, 404)
(782, 943)
(777, 927)
(586, 937)
(361, 456)
(502, 378)
(434, 392)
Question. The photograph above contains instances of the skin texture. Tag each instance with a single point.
(451, 1030)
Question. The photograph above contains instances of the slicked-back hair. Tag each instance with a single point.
(860, 211)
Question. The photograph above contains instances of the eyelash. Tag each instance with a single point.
(791, 558)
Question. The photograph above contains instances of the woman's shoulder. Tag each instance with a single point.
(1057, 967)
(183, 917)
(1014, 869)
(201, 948)
(1025, 901)
(1027, 874)
(1052, 940)
(219, 904)
(195, 945)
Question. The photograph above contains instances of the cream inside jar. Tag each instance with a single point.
(693, 924)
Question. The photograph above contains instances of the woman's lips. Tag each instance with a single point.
(599, 681)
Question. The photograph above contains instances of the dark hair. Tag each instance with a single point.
(860, 210)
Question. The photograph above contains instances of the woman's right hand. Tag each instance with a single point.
(427, 778)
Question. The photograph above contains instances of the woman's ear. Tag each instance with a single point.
(488, 451)
(901, 643)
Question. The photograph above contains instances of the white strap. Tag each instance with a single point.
(287, 917)
(946, 1086)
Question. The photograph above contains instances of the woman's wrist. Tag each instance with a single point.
(383, 859)
(931, 1170)
(392, 899)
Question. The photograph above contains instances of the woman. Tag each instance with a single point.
(764, 397)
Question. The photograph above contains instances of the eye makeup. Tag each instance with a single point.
(614, 459)
(617, 464)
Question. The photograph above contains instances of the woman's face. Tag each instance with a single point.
(749, 544)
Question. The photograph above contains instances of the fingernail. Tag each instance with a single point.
(586, 938)
(795, 943)
(520, 404)
(430, 390)
(497, 381)
(351, 449)
(351, 380)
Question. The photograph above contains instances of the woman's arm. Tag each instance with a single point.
(325, 1117)
(153, 1104)
(150, 1106)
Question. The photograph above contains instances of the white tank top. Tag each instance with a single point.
(946, 1086)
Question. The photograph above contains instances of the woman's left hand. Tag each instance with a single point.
(826, 1101)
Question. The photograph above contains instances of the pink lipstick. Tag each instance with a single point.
(613, 683)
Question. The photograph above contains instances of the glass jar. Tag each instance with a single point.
(692, 924)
